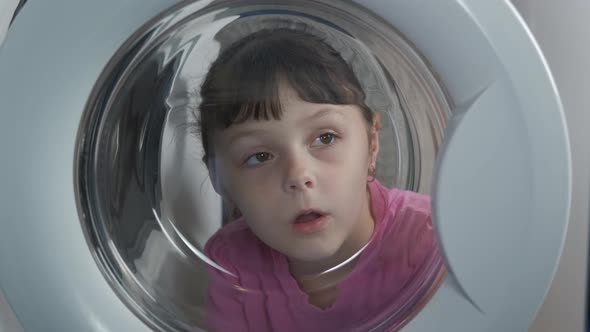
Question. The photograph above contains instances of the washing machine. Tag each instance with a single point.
(103, 229)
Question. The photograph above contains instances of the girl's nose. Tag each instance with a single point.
(298, 175)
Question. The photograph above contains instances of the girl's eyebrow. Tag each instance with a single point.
(322, 112)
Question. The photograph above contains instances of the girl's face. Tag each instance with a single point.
(315, 159)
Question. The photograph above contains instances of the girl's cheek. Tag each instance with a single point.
(256, 176)
(332, 154)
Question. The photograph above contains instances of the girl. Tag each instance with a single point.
(320, 244)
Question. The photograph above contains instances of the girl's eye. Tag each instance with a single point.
(325, 139)
(257, 158)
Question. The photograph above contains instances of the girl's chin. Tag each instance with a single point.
(312, 258)
(318, 257)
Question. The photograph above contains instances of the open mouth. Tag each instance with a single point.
(307, 217)
(309, 222)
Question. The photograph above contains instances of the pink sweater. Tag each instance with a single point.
(396, 271)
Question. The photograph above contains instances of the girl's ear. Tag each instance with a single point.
(374, 147)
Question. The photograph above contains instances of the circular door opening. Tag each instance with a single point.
(146, 203)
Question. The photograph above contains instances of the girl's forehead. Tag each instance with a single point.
(286, 91)
(296, 115)
(294, 107)
(300, 117)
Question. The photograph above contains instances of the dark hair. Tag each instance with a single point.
(243, 82)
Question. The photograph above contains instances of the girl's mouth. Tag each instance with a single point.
(309, 222)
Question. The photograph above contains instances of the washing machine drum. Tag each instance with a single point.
(107, 204)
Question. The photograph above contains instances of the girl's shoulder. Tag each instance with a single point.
(398, 201)
(230, 244)
(416, 202)
(406, 233)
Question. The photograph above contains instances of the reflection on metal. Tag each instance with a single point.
(8, 11)
(144, 213)
(8, 320)
(20, 5)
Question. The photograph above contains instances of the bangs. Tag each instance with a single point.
(245, 94)
(244, 84)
